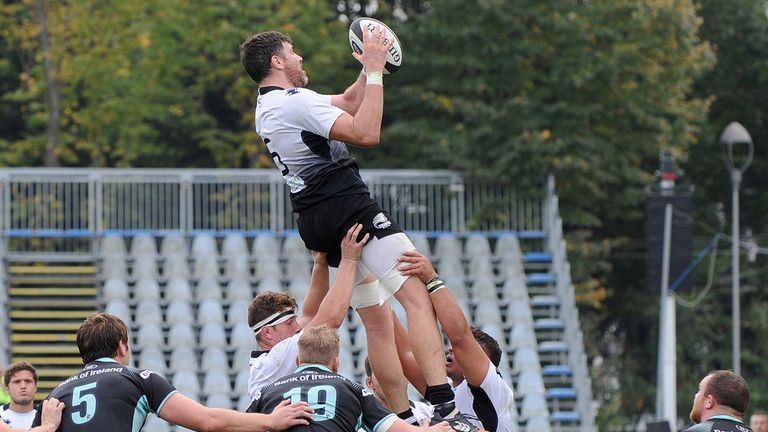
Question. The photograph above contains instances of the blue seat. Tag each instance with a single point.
(561, 393)
(565, 417)
(537, 257)
(556, 370)
(540, 279)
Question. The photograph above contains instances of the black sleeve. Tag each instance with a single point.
(254, 407)
(38, 419)
(156, 388)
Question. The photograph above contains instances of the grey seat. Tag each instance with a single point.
(173, 244)
(114, 289)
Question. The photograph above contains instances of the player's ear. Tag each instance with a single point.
(335, 364)
(298, 363)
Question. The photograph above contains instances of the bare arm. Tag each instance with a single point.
(352, 97)
(401, 426)
(318, 288)
(50, 418)
(333, 308)
(364, 128)
(468, 353)
(186, 412)
(411, 368)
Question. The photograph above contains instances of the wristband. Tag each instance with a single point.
(374, 78)
(435, 284)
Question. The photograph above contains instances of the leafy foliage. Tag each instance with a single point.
(590, 91)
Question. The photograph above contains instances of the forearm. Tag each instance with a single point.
(234, 421)
(367, 120)
(451, 317)
(318, 289)
(333, 309)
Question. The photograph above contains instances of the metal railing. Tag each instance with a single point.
(39, 202)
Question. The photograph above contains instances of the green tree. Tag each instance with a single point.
(157, 83)
(590, 91)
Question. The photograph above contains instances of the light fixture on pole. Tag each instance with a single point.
(735, 134)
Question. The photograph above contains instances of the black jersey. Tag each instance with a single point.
(719, 424)
(340, 405)
(106, 396)
(295, 124)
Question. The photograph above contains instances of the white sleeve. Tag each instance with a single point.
(494, 385)
(312, 112)
(277, 363)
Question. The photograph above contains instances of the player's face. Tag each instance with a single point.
(22, 387)
(758, 423)
(294, 66)
(699, 400)
(452, 367)
(286, 329)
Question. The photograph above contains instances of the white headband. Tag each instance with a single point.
(274, 319)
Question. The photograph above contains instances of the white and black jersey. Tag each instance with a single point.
(295, 124)
(339, 405)
(108, 396)
(15, 419)
(492, 404)
(268, 366)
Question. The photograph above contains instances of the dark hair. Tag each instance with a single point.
(729, 389)
(100, 335)
(17, 367)
(489, 345)
(257, 51)
(267, 303)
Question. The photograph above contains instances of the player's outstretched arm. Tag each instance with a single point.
(334, 307)
(468, 353)
(186, 412)
(364, 128)
(401, 426)
(318, 288)
(49, 418)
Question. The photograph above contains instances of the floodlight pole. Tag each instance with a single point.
(734, 134)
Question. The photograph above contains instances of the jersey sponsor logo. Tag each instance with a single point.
(145, 374)
(380, 221)
(292, 91)
(461, 427)
(257, 395)
(90, 366)
(367, 392)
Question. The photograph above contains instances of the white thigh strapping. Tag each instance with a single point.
(369, 294)
(380, 256)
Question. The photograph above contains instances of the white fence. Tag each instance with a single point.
(39, 202)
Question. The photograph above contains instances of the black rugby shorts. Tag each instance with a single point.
(324, 225)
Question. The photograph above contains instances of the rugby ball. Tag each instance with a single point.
(395, 55)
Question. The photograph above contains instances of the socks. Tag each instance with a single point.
(408, 416)
(439, 394)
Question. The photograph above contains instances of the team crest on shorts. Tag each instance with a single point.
(380, 221)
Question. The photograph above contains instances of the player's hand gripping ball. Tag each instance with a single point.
(395, 54)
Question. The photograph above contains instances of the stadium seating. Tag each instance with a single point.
(188, 309)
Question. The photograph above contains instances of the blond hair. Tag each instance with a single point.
(318, 345)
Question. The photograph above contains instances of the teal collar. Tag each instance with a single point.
(312, 366)
(726, 417)
(106, 359)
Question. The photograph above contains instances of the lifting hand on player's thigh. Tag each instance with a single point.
(350, 247)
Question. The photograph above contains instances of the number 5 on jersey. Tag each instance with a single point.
(79, 397)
